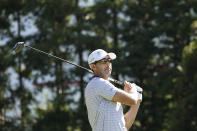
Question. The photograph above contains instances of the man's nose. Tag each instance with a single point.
(108, 63)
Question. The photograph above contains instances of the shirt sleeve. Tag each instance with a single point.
(105, 89)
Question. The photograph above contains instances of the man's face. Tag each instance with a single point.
(103, 68)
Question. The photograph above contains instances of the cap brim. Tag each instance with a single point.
(112, 55)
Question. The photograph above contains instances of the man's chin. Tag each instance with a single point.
(108, 73)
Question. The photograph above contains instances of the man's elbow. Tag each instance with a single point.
(128, 123)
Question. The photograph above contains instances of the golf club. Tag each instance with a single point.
(20, 45)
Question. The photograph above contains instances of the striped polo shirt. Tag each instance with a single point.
(103, 113)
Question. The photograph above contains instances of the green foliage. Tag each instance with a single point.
(189, 56)
(54, 118)
(183, 117)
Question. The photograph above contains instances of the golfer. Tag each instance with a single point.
(103, 99)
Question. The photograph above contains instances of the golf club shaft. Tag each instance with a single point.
(58, 58)
(140, 90)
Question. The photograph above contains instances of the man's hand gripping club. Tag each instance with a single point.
(131, 88)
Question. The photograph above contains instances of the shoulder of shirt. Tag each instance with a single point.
(97, 80)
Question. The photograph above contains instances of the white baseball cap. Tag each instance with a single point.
(99, 54)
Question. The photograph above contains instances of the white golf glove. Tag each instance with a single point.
(138, 89)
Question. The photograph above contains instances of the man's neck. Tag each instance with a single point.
(101, 76)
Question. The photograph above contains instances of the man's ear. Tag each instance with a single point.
(92, 66)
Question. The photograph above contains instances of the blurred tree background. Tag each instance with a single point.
(156, 45)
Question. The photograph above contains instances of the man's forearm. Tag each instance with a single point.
(131, 115)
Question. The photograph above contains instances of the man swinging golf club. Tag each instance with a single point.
(103, 99)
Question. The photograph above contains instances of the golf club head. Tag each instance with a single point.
(17, 47)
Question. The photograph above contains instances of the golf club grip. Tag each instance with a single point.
(116, 81)
(139, 89)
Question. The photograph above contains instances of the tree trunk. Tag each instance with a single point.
(115, 32)
(21, 86)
